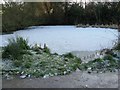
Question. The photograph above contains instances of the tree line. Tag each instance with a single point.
(20, 15)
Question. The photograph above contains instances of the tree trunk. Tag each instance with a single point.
(66, 12)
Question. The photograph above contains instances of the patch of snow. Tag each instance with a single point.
(23, 76)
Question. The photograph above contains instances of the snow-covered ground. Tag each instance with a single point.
(62, 39)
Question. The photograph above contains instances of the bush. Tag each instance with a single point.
(15, 48)
(69, 55)
(27, 61)
(97, 60)
(108, 57)
(46, 50)
(17, 63)
(117, 46)
(28, 65)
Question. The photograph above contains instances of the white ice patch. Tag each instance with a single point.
(62, 39)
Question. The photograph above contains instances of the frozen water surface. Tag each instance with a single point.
(62, 39)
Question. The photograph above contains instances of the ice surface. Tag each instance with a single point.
(62, 39)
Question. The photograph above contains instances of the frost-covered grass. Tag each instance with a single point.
(36, 61)
(110, 62)
(40, 62)
(39, 65)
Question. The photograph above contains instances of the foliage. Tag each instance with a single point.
(69, 55)
(108, 57)
(46, 50)
(31, 62)
(117, 46)
(51, 13)
(44, 64)
(18, 63)
(108, 63)
(15, 48)
(18, 10)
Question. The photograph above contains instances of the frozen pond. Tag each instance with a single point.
(62, 39)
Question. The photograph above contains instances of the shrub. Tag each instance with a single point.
(15, 48)
(46, 50)
(55, 54)
(22, 43)
(109, 51)
(36, 48)
(69, 55)
(28, 65)
(17, 63)
(117, 46)
(108, 57)
(97, 60)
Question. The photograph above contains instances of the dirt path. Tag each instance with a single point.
(77, 79)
